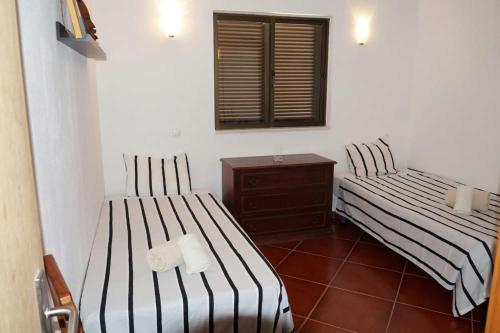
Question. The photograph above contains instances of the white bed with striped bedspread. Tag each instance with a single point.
(240, 292)
(407, 213)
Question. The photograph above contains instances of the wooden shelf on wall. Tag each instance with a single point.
(87, 47)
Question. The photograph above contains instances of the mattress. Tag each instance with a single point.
(407, 212)
(239, 292)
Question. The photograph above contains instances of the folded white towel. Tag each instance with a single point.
(195, 256)
(164, 257)
(463, 200)
(480, 199)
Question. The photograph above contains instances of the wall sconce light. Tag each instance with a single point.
(362, 30)
(171, 18)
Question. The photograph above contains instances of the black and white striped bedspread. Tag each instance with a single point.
(407, 212)
(240, 292)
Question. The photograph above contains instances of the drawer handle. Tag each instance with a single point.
(252, 182)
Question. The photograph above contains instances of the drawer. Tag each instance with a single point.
(285, 177)
(282, 201)
(270, 224)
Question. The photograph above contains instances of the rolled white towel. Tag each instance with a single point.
(195, 256)
(463, 200)
(164, 257)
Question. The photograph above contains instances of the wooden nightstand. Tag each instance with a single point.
(270, 198)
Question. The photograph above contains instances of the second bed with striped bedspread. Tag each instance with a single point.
(407, 212)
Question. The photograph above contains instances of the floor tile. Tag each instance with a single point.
(317, 327)
(425, 293)
(285, 245)
(369, 280)
(406, 319)
(309, 267)
(367, 238)
(480, 313)
(478, 327)
(302, 295)
(347, 230)
(273, 254)
(377, 256)
(353, 311)
(297, 321)
(327, 246)
(371, 269)
(413, 269)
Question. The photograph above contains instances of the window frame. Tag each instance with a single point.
(269, 121)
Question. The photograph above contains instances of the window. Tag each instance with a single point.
(270, 71)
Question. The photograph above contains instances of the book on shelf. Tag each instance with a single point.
(82, 24)
(66, 17)
(75, 17)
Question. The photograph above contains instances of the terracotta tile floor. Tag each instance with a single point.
(349, 282)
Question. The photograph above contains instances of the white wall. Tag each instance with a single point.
(62, 102)
(151, 85)
(455, 127)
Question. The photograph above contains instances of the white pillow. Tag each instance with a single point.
(150, 176)
(370, 159)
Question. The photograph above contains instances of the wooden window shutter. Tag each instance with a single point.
(270, 71)
(241, 54)
(299, 69)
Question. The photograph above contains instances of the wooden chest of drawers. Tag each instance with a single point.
(268, 197)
